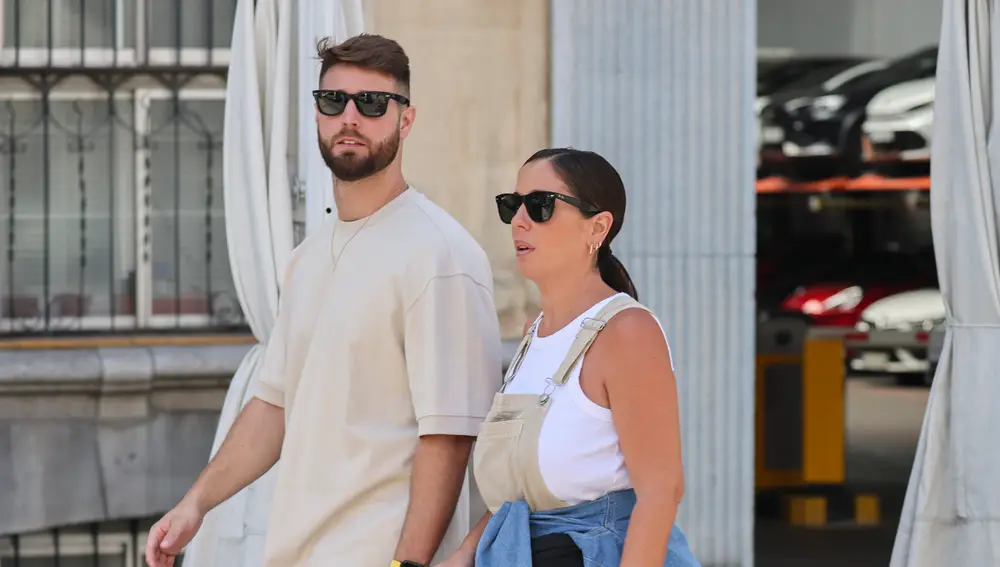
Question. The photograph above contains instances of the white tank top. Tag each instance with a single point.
(578, 449)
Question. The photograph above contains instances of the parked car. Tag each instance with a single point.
(897, 329)
(771, 134)
(852, 285)
(823, 131)
(897, 131)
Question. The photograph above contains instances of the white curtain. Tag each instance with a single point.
(263, 103)
(951, 514)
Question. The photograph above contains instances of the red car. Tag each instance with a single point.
(839, 304)
(839, 299)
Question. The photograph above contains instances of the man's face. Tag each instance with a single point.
(355, 146)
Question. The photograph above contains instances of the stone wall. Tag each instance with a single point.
(480, 85)
(95, 434)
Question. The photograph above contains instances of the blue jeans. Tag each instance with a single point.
(597, 527)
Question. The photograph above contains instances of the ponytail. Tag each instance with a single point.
(613, 272)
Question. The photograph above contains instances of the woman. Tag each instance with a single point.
(579, 460)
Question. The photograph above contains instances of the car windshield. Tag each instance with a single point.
(820, 76)
(919, 65)
(777, 76)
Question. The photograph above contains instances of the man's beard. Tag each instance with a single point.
(352, 166)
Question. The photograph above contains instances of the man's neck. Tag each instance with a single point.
(359, 199)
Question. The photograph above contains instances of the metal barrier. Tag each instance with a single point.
(800, 424)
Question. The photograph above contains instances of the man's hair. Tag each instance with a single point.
(370, 52)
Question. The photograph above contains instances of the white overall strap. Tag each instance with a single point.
(522, 349)
(589, 328)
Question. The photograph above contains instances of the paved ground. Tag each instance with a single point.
(883, 424)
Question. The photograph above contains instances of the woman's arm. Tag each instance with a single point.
(633, 359)
(465, 555)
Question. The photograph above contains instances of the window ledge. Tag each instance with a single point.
(116, 382)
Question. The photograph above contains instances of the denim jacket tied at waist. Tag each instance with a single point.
(597, 527)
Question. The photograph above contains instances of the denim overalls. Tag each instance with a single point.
(510, 481)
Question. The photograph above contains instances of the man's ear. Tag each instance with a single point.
(406, 119)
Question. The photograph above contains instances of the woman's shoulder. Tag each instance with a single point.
(632, 333)
(633, 322)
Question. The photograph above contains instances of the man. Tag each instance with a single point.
(384, 357)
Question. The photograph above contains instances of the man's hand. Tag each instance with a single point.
(169, 536)
(252, 447)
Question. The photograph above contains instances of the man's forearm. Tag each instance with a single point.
(439, 467)
(252, 447)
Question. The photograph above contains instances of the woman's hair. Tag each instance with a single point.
(591, 178)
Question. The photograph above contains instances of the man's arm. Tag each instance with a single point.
(454, 362)
(439, 467)
(251, 447)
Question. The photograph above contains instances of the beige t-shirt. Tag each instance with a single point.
(386, 331)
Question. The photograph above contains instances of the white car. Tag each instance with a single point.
(899, 120)
(893, 334)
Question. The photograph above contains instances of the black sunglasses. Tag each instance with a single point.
(369, 103)
(539, 204)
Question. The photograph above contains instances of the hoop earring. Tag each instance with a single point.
(592, 249)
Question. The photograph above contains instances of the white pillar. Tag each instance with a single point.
(664, 90)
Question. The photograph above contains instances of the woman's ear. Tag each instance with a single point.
(601, 225)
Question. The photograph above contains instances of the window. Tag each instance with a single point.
(111, 212)
(128, 33)
(70, 550)
(187, 278)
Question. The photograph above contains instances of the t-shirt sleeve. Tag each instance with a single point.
(269, 383)
(453, 355)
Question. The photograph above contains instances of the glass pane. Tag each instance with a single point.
(206, 23)
(74, 23)
(190, 260)
(79, 158)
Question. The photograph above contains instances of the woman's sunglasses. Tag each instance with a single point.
(539, 204)
(370, 103)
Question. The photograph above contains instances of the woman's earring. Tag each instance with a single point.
(592, 249)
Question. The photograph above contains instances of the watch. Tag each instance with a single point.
(396, 563)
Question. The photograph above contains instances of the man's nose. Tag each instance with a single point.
(351, 115)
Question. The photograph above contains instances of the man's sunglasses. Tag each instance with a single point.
(539, 204)
(370, 103)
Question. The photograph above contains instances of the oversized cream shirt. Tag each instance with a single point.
(386, 331)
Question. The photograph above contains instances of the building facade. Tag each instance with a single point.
(119, 321)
